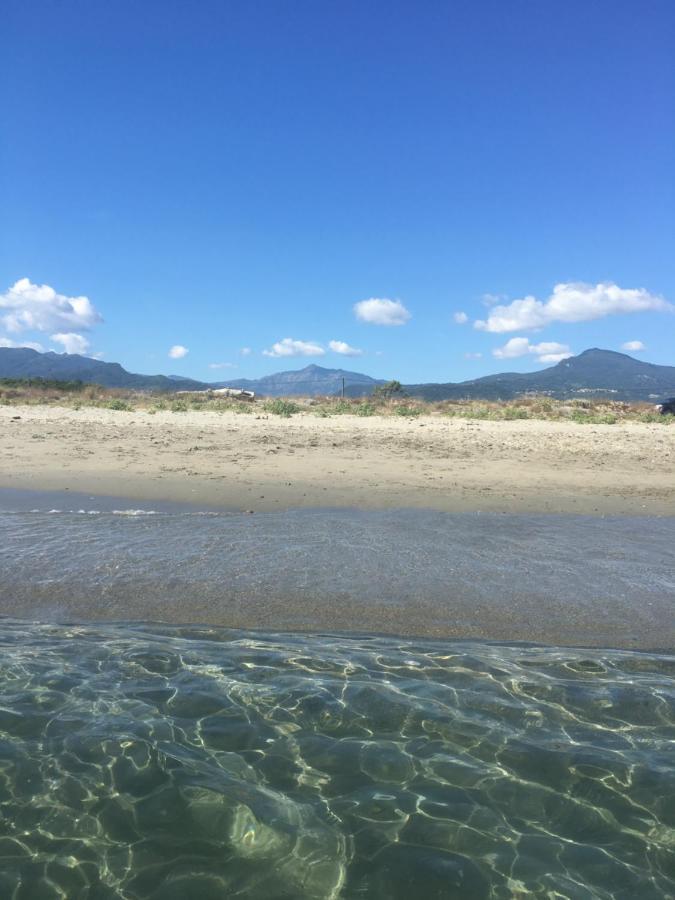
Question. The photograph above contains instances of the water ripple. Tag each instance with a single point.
(172, 762)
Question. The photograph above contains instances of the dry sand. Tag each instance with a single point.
(259, 462)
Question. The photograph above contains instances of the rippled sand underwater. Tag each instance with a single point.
(168, 762)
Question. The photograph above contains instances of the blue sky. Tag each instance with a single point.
(222, 175)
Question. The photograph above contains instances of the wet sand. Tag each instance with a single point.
(560, 580)
(263, 463)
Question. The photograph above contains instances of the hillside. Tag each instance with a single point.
(593, 373)
(22, 362)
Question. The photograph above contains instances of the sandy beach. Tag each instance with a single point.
(261, 462)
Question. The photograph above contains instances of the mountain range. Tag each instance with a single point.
(593, 373)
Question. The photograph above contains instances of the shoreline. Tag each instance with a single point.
(159, 628)
(264, 463)
(554, 580)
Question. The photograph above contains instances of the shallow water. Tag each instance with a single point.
(141, 761)
(552, 579)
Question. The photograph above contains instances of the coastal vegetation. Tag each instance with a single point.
(76, 395)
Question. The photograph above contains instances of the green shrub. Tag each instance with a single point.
(480, 412)
(342, 408)
(365, 409)
(179, 406)
(408, 411)
(516, 412)
(284, 408)
(657, 418)
(118, 404)
(584, 418)
(243, 407)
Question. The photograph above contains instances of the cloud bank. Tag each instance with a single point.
(27, 306)
(178, 351)
(380, 311)
(290, 347)
(546, 352)
(570, 302)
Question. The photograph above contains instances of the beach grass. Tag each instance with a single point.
(583, 411)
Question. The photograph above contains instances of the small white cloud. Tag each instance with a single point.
(513, 349)
(378, 311)
(571, 302)
(493, 299)
(245, 351)
(178, 351)
(633, 346)
(344, 349)
(554, 357)
(460, 318)
(222, 366)
(473, 356)
(71, 342)
(36, 307)
(547, 351)
(32, 345)
(290, 347)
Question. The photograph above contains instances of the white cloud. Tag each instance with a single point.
(547, 351)
(32, 345)
(493, 299)
(27, 306)
(633, 346)
(71, 342)
(570, 302)
(381, 312)
(473, 356)
(289, 347)
(245, 351)
(178, 351)
(222, 366)
(554, 357)
(460, 318)
(344, 349)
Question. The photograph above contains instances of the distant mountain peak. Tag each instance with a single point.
(597, 351)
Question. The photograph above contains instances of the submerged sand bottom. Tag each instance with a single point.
(561, 580)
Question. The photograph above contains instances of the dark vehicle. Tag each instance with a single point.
(667, 407)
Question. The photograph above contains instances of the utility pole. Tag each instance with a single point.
(343, 387)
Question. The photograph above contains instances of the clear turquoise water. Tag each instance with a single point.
(141, 761)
